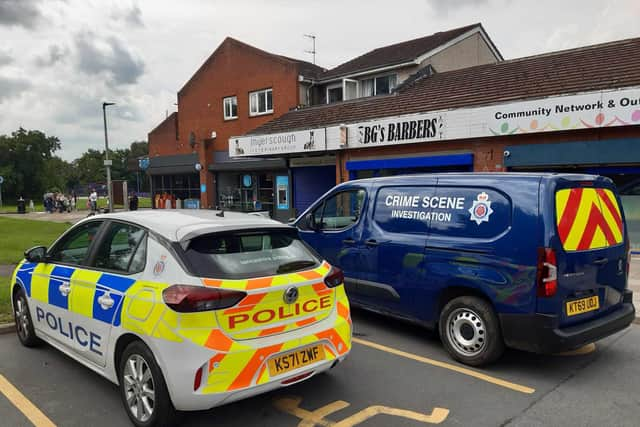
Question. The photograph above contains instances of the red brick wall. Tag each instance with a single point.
(487, 152)
(234, 69)
(163, 139)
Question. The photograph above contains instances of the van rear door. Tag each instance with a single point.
(591, 250)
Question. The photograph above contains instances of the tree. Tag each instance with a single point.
(23, 157)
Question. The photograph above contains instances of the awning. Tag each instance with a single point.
(173, 165)
(411, 162)
(610, 151)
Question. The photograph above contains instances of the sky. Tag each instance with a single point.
(60, 59)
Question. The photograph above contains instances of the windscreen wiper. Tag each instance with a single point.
(294, 265)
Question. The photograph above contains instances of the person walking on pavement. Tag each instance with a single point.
(93, 199)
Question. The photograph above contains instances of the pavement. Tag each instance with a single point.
(71, 217)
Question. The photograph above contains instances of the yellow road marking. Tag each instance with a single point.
(25, 406)
(291, 405)
(455, 368)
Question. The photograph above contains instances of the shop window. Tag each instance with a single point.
(230, 105)
(261, 102)
(334, 94)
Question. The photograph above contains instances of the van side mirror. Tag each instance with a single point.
(36, 254)
(310, 222)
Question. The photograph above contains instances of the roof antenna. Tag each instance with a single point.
(313, 51)
(221, 213)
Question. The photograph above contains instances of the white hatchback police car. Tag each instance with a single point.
(184, 310)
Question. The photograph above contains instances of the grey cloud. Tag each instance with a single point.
(11, 87)
(113, 59)
(5, 58)
(54, 55)
(443, 7)
(132, 16)
(24, 13)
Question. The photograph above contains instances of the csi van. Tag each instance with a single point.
(537, 262)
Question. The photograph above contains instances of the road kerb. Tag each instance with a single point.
(7, 328)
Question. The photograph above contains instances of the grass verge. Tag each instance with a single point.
(6, 315)
(16, 235)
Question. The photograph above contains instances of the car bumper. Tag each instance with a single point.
(540, 333)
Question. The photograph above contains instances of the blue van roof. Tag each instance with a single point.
(471, 175)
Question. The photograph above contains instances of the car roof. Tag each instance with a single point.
(470, 176)
(178, 225)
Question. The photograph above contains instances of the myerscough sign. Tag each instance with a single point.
(288, 142)
(588, 110)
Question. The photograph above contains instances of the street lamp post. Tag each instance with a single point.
(107, 162)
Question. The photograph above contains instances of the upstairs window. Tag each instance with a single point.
(334, 94)
(382, 85)
(230, 106)
(261, 102)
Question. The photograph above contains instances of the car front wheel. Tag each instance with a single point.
(143, 389)
(24, 324)
(470, 331)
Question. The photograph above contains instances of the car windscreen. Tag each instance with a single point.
(246, 254)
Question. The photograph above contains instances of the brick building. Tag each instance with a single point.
(238, 88)
(576, 110)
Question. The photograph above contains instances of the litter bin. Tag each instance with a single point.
(22, 206)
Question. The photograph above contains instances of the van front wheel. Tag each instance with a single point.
(470, 331)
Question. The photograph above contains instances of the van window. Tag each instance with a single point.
(339, 211)
(242, 255)
(477, 213)
(401, 209)
(588, 218)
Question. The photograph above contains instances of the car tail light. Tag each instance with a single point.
(188, 298)
(334, 278)
(547, 274)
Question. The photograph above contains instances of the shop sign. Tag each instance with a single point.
(279, 143)
(598, 109)
(397, 130)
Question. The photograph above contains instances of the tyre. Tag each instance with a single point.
(143, 389)
(22, 316)
(470, 331)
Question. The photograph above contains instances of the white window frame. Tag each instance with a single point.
(344, 89)
(334, 86)
(257, 93)
(374, 78)
(224, 107)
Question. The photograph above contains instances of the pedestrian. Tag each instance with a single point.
(93, 199)
(133, 201)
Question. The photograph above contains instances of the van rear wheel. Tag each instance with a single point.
(470, 331)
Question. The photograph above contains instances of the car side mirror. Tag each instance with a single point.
(311, 223)
(36, 254)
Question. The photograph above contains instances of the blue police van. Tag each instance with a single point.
(537, 262)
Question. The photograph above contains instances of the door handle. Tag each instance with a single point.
(65, 289)
(105, 301)
(349, 241)
(601, 261)
(371, 242)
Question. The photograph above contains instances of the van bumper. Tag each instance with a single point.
(540, 333)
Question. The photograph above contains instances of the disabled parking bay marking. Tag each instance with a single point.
(449, 366)
(291, 405)
(28, 409)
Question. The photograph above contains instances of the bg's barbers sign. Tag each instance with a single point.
(404, 130)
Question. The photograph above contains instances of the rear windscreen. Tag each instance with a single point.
(242, 255)
(588, 218)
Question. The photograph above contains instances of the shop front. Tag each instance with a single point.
(253, 185)
(175, 178)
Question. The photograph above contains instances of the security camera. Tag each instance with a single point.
(506, 153)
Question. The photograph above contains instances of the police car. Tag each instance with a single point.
(185, 310)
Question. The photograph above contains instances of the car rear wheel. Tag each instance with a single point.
(24, 324)
(143, 389)
(470, 331)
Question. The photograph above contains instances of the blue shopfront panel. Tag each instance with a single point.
(309, 183)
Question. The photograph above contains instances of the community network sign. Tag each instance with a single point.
(589, 110)
(279, 143)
